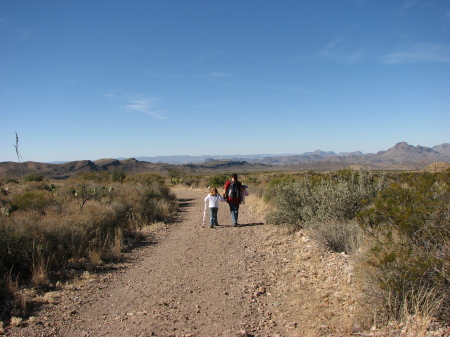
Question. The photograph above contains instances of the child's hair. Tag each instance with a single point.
(214, 191)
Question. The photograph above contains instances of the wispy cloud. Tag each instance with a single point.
(144, 105)
(419, 53)
(339, 50)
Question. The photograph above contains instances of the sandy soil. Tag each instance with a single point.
(190, 280)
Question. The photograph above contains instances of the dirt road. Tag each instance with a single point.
(194, 281)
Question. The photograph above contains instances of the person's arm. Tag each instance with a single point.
(225, 188)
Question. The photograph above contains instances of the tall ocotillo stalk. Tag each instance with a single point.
(18, 154)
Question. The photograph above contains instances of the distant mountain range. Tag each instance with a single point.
(400, 157)
(400, 152)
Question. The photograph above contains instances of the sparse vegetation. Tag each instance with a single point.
(408, 226)
(78, 222)
(398, 226)
(311, 199)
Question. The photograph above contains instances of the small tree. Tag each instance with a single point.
(84, 193)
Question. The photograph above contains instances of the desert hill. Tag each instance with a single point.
(437, 167)
(128, 166)
(402, 156)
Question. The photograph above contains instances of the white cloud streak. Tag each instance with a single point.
(419, 53)
(339, 51)
(144, 105)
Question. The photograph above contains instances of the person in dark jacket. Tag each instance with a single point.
(233, 191)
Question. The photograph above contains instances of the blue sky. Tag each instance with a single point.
(107, 79)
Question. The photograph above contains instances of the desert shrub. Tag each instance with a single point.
(146, 179)
(218, 180)
(50, 187)
(118, 175)
(15, 243)
(175, 173)
(313, 199)
(257, 191)
(33, 200)
(196, 181)
(409, 224)
(339, 236)
(99, 177)
(271, 188)
(293, 202)
(153, 203)
(33, 177)
(12, 181)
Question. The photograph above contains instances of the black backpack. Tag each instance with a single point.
(234, 191)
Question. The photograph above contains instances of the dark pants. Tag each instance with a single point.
(213, 216)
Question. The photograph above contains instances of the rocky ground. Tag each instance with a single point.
(189, 280)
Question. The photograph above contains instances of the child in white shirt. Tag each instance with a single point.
(213, 198)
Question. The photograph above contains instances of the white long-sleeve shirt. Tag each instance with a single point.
(214, 200)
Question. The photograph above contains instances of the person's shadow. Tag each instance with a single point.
(251, 224)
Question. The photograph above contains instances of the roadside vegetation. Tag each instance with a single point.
(396, 226)
(51, 231)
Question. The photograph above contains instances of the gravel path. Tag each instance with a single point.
(195, 281)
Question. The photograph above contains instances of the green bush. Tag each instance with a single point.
(312, 199)
(33, 200)
(410, 226)
(271, 188)
(118, 175)
(218, 181)
(33, 177)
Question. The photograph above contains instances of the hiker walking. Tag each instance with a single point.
(233, 195)
(213, 198)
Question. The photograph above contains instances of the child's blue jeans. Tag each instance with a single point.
(213, 216)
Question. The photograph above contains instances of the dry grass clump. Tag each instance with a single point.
(47, 229)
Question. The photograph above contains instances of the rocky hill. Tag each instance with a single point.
(128, 166)
(400, 156)
(443, 149)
